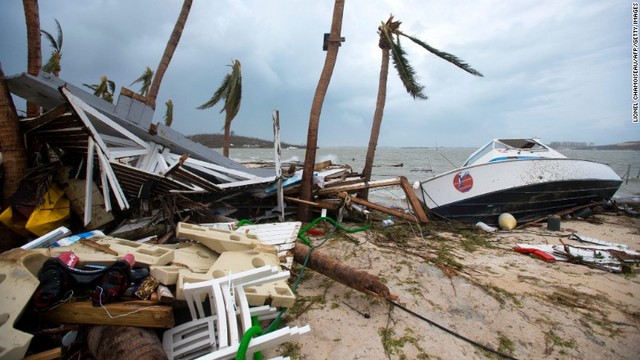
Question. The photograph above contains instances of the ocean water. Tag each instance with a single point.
(415, 163)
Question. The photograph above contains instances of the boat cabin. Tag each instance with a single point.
(511, 149)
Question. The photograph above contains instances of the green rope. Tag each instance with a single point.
(335, 223)
(276, 322)
(253, 331)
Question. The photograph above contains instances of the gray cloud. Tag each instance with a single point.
(557, 70)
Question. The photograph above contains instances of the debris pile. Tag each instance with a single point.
(128, 223)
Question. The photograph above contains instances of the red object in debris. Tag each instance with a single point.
(130, 259)
(69, 258)
(537, 252)
(315, 232)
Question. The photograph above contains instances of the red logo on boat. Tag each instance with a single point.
(463, 181)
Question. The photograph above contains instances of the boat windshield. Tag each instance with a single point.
(501, 145)
(479, 153)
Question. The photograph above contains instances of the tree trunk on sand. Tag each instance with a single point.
(172, 44)
(334, 269)
(14, 164)
(124, 342)
(377, 121)
(333, 45)
(34, 52)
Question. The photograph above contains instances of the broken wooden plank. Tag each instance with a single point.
(45, 118)
(359, 186)
(318, 204)
(130, 313)
(415, 203)
(338, 271)
(374, 206)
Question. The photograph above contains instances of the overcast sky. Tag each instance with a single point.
(557, 70)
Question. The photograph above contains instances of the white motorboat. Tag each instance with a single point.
(522, 177)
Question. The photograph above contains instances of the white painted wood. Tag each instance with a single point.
(88, 188)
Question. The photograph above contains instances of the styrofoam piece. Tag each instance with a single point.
(194, 256)
(145, 254)
(216, 239)
(47, 239)
(18, 271)
(166, 275)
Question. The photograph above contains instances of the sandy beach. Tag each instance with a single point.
(475, 285)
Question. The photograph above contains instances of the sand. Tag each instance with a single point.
(476, 286)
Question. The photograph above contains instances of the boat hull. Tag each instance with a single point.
(527, 189)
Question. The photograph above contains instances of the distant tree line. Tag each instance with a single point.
(216, 141)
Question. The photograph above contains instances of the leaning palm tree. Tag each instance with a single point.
(390, 44)
(332, 46)
(105, 89)
(172, 44)
(231, 91)
(53, 65)
(145, 79)
(14, 156)
(168, 116)
(34, 52)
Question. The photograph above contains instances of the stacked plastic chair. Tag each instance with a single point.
(215, 331)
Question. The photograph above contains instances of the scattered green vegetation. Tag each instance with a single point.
(552, 340)
(506, 346)
(472, 241)
(393, 346)
(500, 294)
(291, 350)
(302, 305)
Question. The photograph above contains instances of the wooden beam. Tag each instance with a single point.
(378, 207)
(130, 313)
(55, 353)
(359, 186)
(416, 205)
(319, 204)
(45, 118)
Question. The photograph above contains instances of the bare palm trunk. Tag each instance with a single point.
(34, 52)
(377, 120)
(172, 44)
(316, 108)
(227, 134)
(14, 154)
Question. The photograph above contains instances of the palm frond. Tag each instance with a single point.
(218, 95)
(60, 38)
(443, 55)
(145, 79)
(168, 115)
(405, 71)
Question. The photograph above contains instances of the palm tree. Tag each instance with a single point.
(168, 52)
(34, 52)
(231, 91)
(168, 116)
(145, 79)
(14, 156)
(53, 65)
(390, 44)
(105, 89)
(333, 44)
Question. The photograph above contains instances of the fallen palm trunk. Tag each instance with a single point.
(336, 270)
(120, 342)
